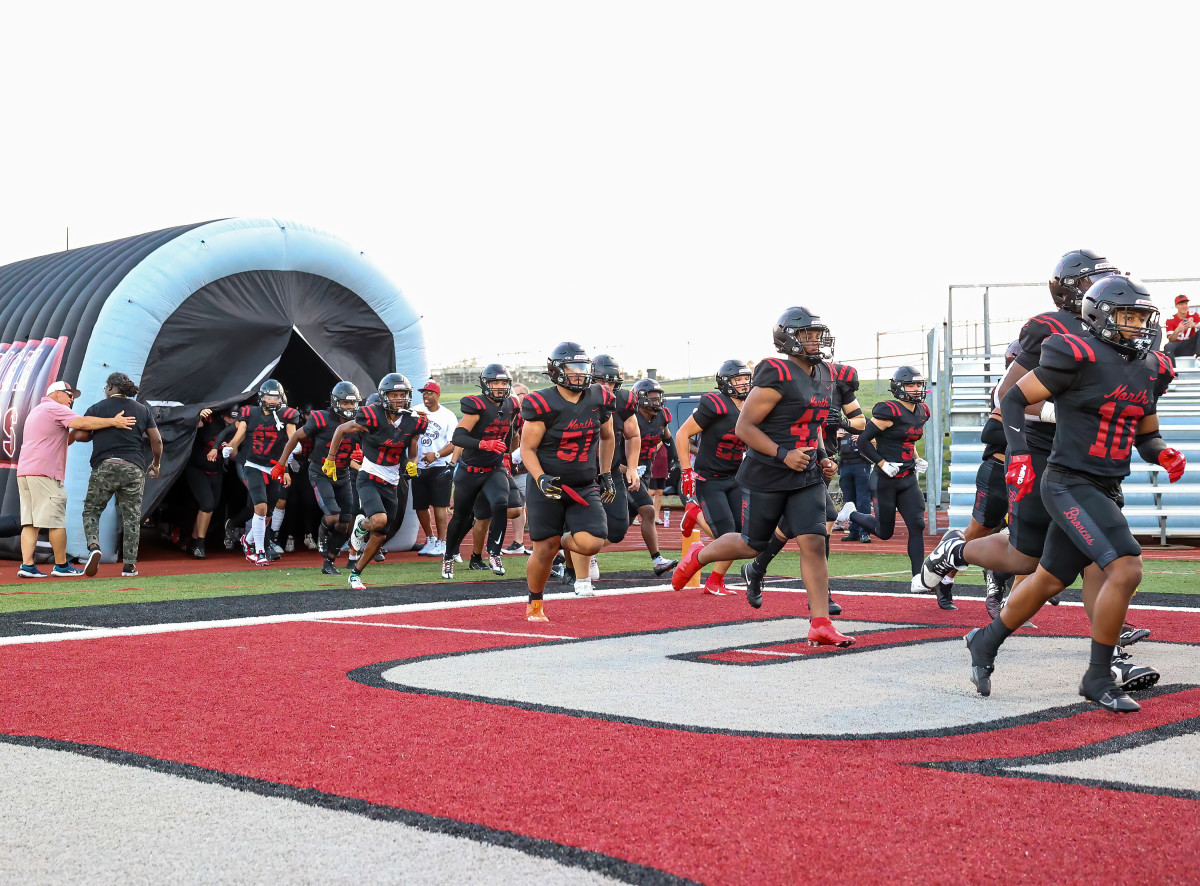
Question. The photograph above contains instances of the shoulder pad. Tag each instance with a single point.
(771, 371)
(472, 405)
(886, 410)
(1066, 352)
(715, 403)
(535, 405)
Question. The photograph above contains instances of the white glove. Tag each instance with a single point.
(920, 466)
(891, 468)
(641, 470)
(226, 451)
(1047, 413)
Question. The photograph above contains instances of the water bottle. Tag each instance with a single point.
(666, 517)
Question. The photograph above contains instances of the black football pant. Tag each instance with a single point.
(901, 494)
(468, 486)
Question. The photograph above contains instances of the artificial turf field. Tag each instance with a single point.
(424, 732)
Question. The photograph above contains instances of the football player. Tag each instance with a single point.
(334, 496)
(783, 474)
(653, 418)
(267, 426)
(565, 426)
(1104, 385)
(388, 436)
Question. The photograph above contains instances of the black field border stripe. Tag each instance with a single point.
(1004, 767)
(372, 675)
(570, 856)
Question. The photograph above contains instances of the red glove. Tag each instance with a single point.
(1174, 462)
(688, 482)
(278, 471)
(1020, 477)
(492, 445)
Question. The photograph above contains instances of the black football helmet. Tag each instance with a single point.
(395, 383)
(271, 396)
(1074, 274)
(727, 376)
(1014, 348)
(907, 375)
(649, 394)
(605, 368)
(344, 392)
(495, 382)
(569, 358)
(373, 399)
(1105, 298)
(787, 329)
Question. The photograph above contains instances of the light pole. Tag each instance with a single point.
(689, 366)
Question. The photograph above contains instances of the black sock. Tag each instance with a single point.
(994, 634)
(827, 547)
(654, 555)
(763, 560)
(1100, 660)
(868, 524)
(533, 598)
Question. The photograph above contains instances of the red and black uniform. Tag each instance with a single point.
(481, 472)
(654, 430)
(204, 476)
(1028, 519)
(617, 510)
(845, 390)
(568, 450)
(717, 460)
(773, 491)
(991, 492)
(896, 443)
(382, 481)
(1099, 398)
(333, 496)
(266, 435)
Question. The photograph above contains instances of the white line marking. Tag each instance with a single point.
(383, 624)
(764, 652)
(51, 624)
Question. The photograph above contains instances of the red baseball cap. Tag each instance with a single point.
(432, 386)
(1180, 298)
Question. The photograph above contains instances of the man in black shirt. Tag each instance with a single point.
(119, 467)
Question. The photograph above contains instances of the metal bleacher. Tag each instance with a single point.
(1155, 508)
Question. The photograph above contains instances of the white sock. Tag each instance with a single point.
(947, 579)
(258, 531)
(276, 519)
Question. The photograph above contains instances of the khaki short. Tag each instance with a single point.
(43, 502)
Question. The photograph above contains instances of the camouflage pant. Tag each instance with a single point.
(126, 481)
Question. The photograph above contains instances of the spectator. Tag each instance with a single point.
(435, 469)
(1181, 330)
(119, 468)
(47, 432)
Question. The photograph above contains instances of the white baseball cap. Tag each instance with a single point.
(62, 386)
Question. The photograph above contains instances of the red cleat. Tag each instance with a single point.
(821, 632)
(691, 514)
(688, 566)
(716, 585)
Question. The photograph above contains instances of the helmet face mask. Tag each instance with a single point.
(607, 371)
(395, 393)
(271, 396)
(1076, 273)
(1014, 348)
(734, 379)
(569, 366)
(800, 333)
(650, 395)
(495, 382)
(1120, 312)
(344, 399)
(908, 384)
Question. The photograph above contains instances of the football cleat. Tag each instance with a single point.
(496, 564)
(447, 568)
(1055, 600)
(251, 554)
(1132, 677)
(358, 535)
(753, 584)
(1131, 635)
(946, 555)
(593, 569)
(1104, 691)
(835, 608)
(827, 635)
(981, 665)
(477, 563)
(945, 596)
(662, 565)
(993, 600)
(686, 569)
(429, 549)
(515, 548)
(716, 585)
(356, 583)
(558, 568)
(533, 611)
(329, 569)
(691, 514)
(583, 588)
(261, 559)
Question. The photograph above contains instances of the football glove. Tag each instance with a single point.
(608, 492)
(492, 445)
(687, 482)
(549, 486)
(411, 469)
(1174, 461)
(329, 469)
(278, 471)
(891, 468)
(920, 466)
(1019, 476)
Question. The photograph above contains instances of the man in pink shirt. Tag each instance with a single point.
(40, 471)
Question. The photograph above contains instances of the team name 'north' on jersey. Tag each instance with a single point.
(571, 439)
(898, 442)
(797, 421)
(495, 422)
(721, 449)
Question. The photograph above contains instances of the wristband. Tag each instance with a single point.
(781, 453)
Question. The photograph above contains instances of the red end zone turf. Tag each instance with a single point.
(624, 770)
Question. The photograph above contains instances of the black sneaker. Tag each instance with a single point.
(1131, 635)
(330, 569)
(945, 596)
(558, 568)
(753, 584)
(1132, 677)
(835, 608)
(993, 600)
(981, 665)
(1103, 690)
(946, 555)
(477, 563)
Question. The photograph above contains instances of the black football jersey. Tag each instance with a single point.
(990, 427)
(1036, 330)
(625, 406)
(206, 442)
(721, 449)
(796, 422)
(1098, 413)
(845, 390)
(898, 443)
(571, 441)
(266, 434)
(384, 443)
(653, 431)
(495, 422)
(1166, 373)
(320, 427)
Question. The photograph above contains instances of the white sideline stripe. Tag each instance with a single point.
(51, 624)
(764, 652)
(384, 624)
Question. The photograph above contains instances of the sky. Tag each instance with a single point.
(658, 180)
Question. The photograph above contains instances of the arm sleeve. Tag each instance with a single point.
(462, 437)
(1012, 410)
(993, 434)
(865, 447)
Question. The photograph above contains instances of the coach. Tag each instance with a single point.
(40, 469)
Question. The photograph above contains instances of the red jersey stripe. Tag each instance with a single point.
(540, 406)
(781, 367)
(1053, 324)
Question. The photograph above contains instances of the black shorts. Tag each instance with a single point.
(550, 518)
(639, 498)
(431, 487)
(483, 510)
(376, 497)
(617, 510)
(1028, 520)
(1088, 526)
(991, 494)
(804, 509)
(263, 490)
(205, 488)
(333, 496)
(655, 482)
(721, 502)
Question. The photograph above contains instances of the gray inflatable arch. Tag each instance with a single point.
(199, 316)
